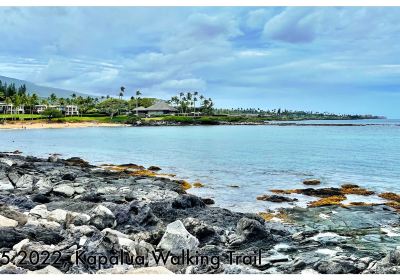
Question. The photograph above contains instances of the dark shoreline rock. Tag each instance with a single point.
(71, 206)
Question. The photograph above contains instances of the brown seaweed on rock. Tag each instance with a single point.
(327, 192)
(390, 196)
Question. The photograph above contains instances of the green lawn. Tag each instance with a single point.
(97, 118)
(104, 119)
(20, 116)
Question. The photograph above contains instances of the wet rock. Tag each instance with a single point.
(77, 162)
(177, 238)
(92, 197)
(328, 238)
(22, 202)
(68, 177)
(251, 230)
(390, 264)
(102, 217)
(336, 267)
(208, 201)
(154, 168)
(64, 190)
(40, 198)
(187, 201)
(311, 182)
(12, 236)
(199, 229)
(276, 198)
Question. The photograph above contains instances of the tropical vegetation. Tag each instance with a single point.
(193, 108)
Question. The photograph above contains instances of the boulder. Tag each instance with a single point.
(58, 215)
(77, 162)
(187, 201)
(102, 217)
(199, 229)
(69, 177)
(336, 267)
(5, 184)
(25, 183)
(39, 211)
(311, 182)
(176, 238)
(12, 214)
(208, 201)
(40, 198)
(252, 230)
(6, 222)
(43, 186)
(276, 198)
(154, 168)
(64, 190)
(53, 158)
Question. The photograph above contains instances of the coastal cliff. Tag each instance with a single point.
(68, 216)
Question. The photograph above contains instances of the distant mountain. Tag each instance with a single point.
(42, 91)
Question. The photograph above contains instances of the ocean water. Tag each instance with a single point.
(255, 158)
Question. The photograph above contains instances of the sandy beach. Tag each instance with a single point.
(40, 125)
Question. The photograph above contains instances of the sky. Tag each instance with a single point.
(326, 59)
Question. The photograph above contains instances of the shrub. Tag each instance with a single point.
(51, 113)
(132, 119)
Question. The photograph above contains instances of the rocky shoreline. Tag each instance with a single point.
(67, 216)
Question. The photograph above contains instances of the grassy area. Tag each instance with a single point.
(104, 119)
(20, 116)
(88, 118)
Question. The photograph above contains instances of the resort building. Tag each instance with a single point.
(11, 109)
(141, 111)
(40, 109)
(70, 110)
(160, 108)
(67, 110)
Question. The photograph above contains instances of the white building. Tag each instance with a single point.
(11, 109)
(40, 109)
(71, 110)
(68, 110)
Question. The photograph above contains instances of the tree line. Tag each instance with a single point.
(186, 103)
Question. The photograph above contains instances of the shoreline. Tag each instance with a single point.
(55, 125)
(73, 205)
(14, 125)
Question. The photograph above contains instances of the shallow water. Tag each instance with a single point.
(255, 158)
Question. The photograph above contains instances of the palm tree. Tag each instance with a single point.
(138, 93)
(10, 102)
(33, 100)
(175, 100)
(194, 101)
(53, 98)
(121, 94)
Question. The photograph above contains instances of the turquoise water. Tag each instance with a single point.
(255, 158)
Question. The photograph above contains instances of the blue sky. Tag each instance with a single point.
(343, 60)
